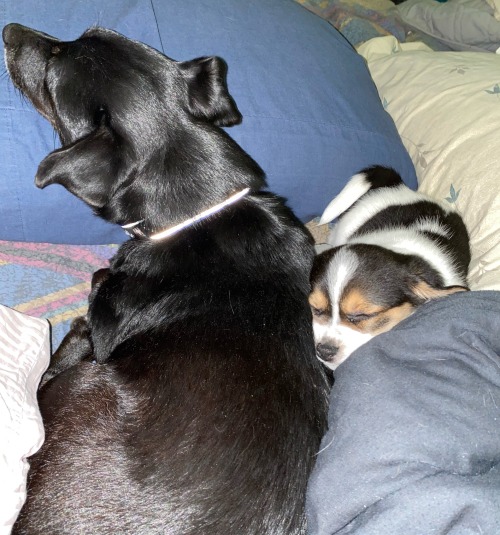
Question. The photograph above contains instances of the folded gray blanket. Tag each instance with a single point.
(413, 445)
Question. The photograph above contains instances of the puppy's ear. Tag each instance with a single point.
(208, 96)
(424, 284)
(86, 168)
(425, 291)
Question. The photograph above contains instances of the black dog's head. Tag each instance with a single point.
(134, 124)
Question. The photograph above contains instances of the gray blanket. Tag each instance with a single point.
(413, 445)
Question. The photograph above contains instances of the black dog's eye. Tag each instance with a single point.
(101, 117)
(318, 312)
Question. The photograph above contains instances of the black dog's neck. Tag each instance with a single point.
(217, 244)
(180, 178)
(138, 228)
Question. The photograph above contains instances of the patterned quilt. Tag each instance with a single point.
(50, 281)
(361, 20)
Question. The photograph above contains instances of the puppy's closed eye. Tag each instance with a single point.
(358, 318)
(318, 312)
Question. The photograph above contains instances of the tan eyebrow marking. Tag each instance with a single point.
(383, 321)
(318, 299)
(356, 302)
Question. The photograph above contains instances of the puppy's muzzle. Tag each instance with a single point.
(326, 352)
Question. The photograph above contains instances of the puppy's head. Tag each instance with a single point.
(359, 291)
(127, 116)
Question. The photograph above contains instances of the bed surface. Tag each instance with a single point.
(441, 25)
(413, 445)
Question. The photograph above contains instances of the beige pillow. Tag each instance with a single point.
(495, 5)
(446, 106)
(24, 356)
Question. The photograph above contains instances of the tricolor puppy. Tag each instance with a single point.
(393, 250)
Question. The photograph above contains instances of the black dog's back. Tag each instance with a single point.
(206, 417)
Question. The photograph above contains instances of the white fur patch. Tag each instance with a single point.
(432, 225)
(352, 191)
(370, 205)
(340, 272)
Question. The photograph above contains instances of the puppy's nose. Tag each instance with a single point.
(326, 352)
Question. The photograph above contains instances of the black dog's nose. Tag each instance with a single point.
(14, 34)
(326, 352)
(11, 34)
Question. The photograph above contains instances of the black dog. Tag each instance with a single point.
(201, 406)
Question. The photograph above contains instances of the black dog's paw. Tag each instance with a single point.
(79, 327)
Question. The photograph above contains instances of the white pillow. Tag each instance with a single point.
(24, 356)
(446, 106)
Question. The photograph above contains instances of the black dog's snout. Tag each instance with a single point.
(12, 33)
(326, 352)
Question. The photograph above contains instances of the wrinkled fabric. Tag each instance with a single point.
(413, 445)
(24, 356)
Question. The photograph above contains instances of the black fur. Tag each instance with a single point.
(382, 177)
(201, 406)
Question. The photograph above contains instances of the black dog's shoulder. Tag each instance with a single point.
(201, 274)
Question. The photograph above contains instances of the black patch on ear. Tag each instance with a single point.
(425, 283)
(86, 168)
(208, 96)
(421, 271)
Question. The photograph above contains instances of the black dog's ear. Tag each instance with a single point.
(86, 168)
(208, 96)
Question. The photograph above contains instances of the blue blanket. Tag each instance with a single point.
(413, 445)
